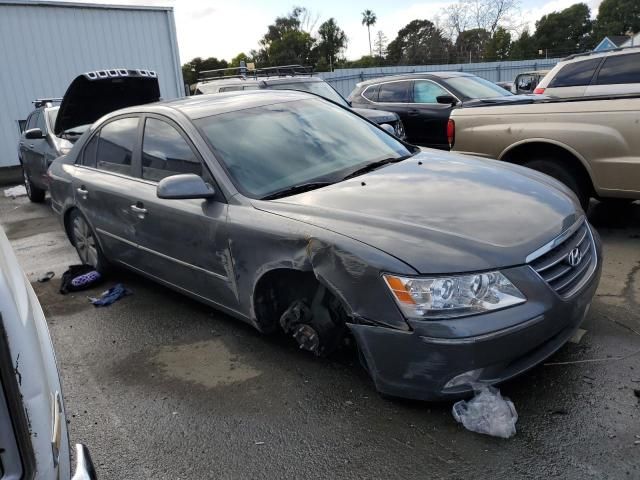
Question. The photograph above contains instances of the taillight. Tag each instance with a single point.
(451, 133)
(538, 91)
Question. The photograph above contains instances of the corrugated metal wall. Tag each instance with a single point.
(44, 46)
(344, 80)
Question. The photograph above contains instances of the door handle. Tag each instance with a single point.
(82, 191)
(139, 210)
(31, 145)
(413, 112)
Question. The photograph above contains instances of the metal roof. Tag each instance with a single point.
(68, 4)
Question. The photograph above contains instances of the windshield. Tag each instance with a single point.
(319, 88)
(271, 148)
(475, 87)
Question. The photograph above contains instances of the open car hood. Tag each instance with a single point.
(94, 94)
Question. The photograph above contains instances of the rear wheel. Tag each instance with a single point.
(85, 241)
(573, 179)
(34, 193)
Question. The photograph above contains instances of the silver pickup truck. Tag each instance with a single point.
(592, 145)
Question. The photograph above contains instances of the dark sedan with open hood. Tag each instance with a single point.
(293, 214)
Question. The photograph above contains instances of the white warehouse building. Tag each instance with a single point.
(44, 45)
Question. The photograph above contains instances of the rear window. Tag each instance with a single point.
(576, 74)
(394, 92)
(620, 69)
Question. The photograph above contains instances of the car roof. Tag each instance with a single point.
(253, 80)
(577, 57)
(405, 76)
(200, 106)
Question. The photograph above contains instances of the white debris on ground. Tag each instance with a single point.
(17, 191)
(487, 412)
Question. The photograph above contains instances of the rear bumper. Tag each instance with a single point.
(84, 465)
(440, 360)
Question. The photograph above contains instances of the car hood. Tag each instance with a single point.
(377, 116)
(441, 212)
(94, 94)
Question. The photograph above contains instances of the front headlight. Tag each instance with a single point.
(452, 296)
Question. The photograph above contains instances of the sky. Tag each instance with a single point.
(224, 28)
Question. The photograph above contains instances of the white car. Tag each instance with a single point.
(589, 74)
(34, 441)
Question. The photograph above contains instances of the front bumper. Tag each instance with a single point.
(422, 363)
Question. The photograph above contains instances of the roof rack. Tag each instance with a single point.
(45, 102)
(592, 52)
(244, 72)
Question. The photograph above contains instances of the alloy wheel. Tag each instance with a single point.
(85, 242)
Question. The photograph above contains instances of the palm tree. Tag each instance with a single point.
(369, 19)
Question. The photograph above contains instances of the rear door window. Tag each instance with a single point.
(576, 74)
(165, 152)
(425, 91)
(89, 153)
(116, 144)
(33, 118)
(40, 123)
(620, 69)
(394, 92)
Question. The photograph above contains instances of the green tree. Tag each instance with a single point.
(241, 57)
(381, 44)
(470, 45)
(499, 47)
(563, 32)
(369, 19)
(420, 42)
(332, 40)
(286, 42)
(524, 47)
(191, 70)
(617, 17)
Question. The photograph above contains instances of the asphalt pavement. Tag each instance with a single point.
(161, 387)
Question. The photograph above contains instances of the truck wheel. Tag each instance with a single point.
(571, 178)
(35, 194)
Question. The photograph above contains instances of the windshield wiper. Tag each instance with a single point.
(303, 187)
(374, 166)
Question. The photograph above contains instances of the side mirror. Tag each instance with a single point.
(33, 134)
(447, 100)
(184, 186)
(388, 128)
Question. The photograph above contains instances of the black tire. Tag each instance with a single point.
(84, 239)
(35, 194)
(569, 176)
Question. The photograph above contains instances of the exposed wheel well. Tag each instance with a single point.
(275, 291)
(547, 151)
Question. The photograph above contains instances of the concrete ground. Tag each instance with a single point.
(159, 386)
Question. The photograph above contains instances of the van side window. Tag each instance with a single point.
(620, 69)
(576, 74)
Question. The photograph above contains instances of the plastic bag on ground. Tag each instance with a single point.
(14, 192)
(487, 412)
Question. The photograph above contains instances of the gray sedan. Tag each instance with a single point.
(293, 214)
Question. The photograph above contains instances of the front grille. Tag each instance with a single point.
(555, 266)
